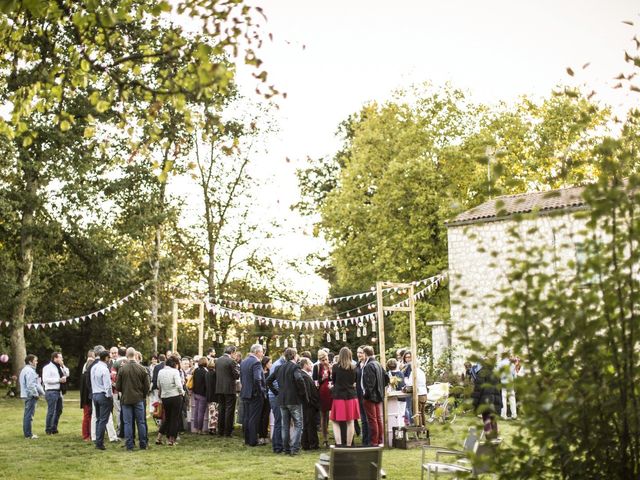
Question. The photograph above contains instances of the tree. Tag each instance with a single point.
(71, 70)
(409, 165)
(223, 166)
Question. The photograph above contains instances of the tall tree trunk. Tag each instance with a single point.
(25, 269)
(155, 293)
(211, 250)
(155, 264)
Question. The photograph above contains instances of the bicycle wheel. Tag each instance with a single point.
(449, 412)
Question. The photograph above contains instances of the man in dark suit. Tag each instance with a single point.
(252, 393)
(310, 408)
(156, 371)
(227, 372)
(291, 394)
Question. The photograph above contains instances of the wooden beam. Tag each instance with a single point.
(414, 351)
(174, 330)
(382, 355)
(191, 321)
(201, 329)
(411, 309)
(397, 309)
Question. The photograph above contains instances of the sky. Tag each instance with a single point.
(333, 56)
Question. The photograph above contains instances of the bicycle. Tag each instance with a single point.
(440, 406)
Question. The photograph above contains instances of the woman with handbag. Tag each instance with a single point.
(171, 393)
(211, 414)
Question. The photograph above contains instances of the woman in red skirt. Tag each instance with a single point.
(345, 407)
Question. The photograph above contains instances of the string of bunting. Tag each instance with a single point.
(88, 316)
(417, 283)
(329, 301)
(316, 323)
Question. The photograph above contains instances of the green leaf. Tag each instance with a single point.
(8, 6)
(102, 106)
(108, 18)
(65, 125)
(37, 8)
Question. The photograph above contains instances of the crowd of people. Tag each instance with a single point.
(286, 403)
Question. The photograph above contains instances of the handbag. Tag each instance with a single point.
(157, 411)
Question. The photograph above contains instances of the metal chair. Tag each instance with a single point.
(351, 464)
(461, 462)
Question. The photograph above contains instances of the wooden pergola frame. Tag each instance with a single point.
(411, 308)
(177, 320)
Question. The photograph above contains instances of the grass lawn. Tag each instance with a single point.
(66, 456)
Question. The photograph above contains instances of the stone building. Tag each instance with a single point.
(480, 246)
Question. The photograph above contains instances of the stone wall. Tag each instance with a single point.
(478, 265)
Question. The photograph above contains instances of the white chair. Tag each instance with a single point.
(461, 462)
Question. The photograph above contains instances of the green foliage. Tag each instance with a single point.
(412, 163)
(127, 55)
(576, 323)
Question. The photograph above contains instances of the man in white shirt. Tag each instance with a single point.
(54, 377)
(507, 377)
(30, 390)
(102, 395)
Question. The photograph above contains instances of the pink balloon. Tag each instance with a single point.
(4, 358)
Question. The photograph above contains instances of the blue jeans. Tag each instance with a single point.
(276, 435)
(365, 423)
(54, 410)
(29, 410)
(130, 413)
(289, 412)
(103, 405)
(408, 413)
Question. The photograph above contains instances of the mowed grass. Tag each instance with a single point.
(66, 456)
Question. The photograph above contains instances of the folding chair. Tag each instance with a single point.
(351, 464)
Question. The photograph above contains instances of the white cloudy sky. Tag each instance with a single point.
(332, 56)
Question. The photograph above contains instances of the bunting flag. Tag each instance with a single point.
(372, 292)
(248, 318)
(88, 316)
(279, 304)
(355, 316)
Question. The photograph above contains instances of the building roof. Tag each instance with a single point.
(506, 205)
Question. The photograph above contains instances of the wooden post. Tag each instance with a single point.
(198, 321)
(174, 330)
(414, 351)
(381, 340)
(201, 329)
(382, 355)
(411, 308)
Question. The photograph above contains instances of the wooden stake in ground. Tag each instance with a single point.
(198, 321)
